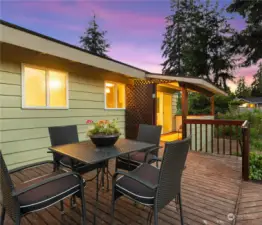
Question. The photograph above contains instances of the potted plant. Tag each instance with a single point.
(103, 132)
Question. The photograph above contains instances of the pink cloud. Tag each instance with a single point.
(124, 20)
(49, 22)
(48, 6)
(128, 18)
(247, 72)
(143, 57)
(237, 24)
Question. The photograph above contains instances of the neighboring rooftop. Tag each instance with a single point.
(254, 100)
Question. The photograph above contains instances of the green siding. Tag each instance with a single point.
(23, 132)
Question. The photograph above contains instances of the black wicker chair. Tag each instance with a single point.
(38, 193)
(151, 186)
(146, 133)
(62, 135)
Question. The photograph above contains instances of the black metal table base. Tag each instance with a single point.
(105, 172)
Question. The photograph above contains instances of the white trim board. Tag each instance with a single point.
(194, 81)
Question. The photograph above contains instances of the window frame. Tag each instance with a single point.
(105, 99)
(46, 69)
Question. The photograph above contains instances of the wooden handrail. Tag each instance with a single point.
(215, 122)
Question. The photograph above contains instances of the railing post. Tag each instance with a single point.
(246, 150)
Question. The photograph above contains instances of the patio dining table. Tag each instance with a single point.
(87, 152)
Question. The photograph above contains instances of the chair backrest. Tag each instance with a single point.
(172, 167)
(62, 135)
(150, 134)
(7, 187)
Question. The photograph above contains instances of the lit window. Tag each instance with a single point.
(44, 88)
(245, 105)
(114, 95)
(57, 87)
(35, 87)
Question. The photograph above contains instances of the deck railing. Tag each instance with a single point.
(227, 137)
(246, 149)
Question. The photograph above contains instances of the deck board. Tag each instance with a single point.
(210, 190)
(250, 204)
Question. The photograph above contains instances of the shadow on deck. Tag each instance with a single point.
(210, 192)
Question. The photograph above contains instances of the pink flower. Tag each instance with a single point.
(89, 121)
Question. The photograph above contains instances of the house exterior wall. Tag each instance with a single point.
(246, 109)
(24, 134)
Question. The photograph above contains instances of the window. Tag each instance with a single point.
(44, 88)
(114, 95)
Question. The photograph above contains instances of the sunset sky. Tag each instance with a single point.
(135, 27)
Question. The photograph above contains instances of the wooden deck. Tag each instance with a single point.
(212, 189)
(250, 204)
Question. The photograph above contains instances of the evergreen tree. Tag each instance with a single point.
(221, 57)
(179, 31)
(194, 50)
(214, 38)
(94, 40)
(248, 41)
(197, 42)
(173, 41)
(242, 89)
(256, 86)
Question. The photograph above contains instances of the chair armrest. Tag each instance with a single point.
(155, 160)
(159, 159)
(30, 166)
(48, 180)
(151, 150)
(134, 177)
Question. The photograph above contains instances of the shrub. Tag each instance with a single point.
(255, 166)
(255, 119)
(199, 104)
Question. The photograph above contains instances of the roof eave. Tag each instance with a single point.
(19, 36)
(192, 80)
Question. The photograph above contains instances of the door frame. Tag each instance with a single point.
(162, 114)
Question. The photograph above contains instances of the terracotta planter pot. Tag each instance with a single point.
(102, 140)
